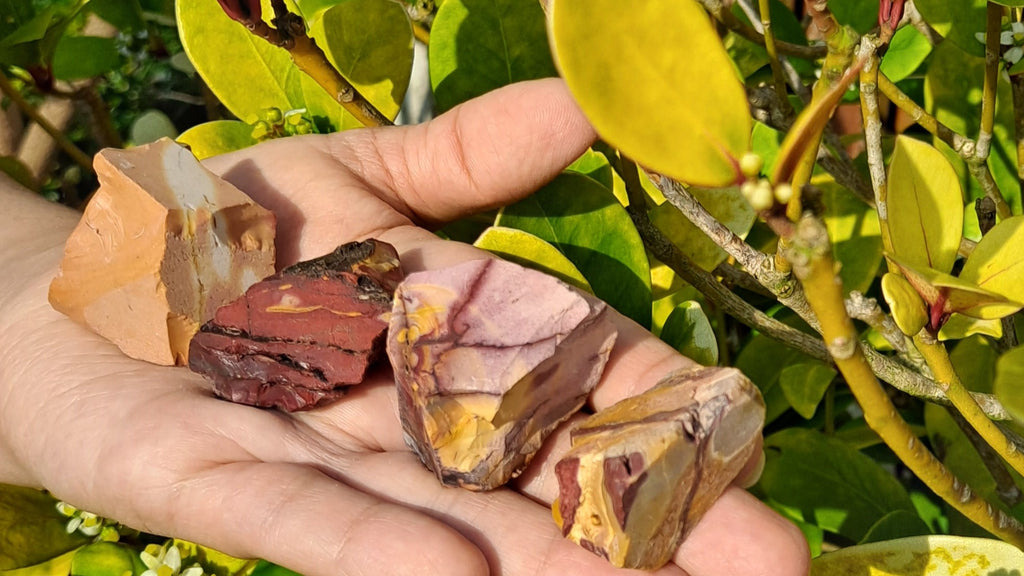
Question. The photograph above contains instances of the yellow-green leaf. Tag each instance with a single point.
(959, 295)
(217, 137)
(56, 566)
(923, 556)
(688, 330)
(925, 206)
(1009, 382)
(656, 82)
(996, 263)
(530, 251)
(959, 327)
(727, 205)
(906, 305)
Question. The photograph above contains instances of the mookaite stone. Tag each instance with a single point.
(489, 358)
(161, 245)
(643, 472)
(296, 339)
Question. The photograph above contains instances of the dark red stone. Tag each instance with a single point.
(296, 339)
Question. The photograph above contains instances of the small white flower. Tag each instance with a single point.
(1006, 38)
(980, 37)
(1013, 55)
(1017, 27)
(166, 561)
(87, 523)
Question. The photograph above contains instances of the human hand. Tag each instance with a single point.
(335, 490)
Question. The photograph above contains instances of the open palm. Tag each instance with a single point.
(334, 490)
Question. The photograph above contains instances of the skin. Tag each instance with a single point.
(334, 490)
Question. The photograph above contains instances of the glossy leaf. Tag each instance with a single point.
(907, 50)
(954, 294)
(925, 206)
(530, 251)
(855, 234)
(959, 326)
(370, 42)
(78, 57)
(952, 93)
(804, 385)
(224, 52)
(217, 137)
(727, 205)
(905, 304)
(56, 566)
(587, 224)
(956, 20)
(996, 263)
(923, 556)
(635, 76)
(31, 528)
(688, 330)
(861, 15)
(105, 559)
(833, 485)
(1009, 382)
(595, 165)
(479, 45)
(896, 524)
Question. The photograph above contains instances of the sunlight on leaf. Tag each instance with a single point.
(586, 223)
(1009, 382)
(528, 250)
(688, 330)
(727, 205)
(925, 206)
(923, 556)
(217, 137)
(637, 77)
(996, 263)
(479, 45)
(905, 304)
(106, 559)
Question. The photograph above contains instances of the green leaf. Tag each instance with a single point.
(125, 15)
(855, 234)
(105, 559)
(249, 75)
(765, 374)
(1014, 3)
(959, 326)
(861, 15)
(214, 562)
(370, 42)
(636, 77)
(151, 126)
(595, 165)
(687, 330)
(765, 141)
(907, 50)
(727, 205)
(833, 485)
(1009, 382)
(530, 251)
(217, 137)
(265, 568)
(587, 224)
(996, 264)
(925, 206)
(905, 304)
(958, 21)
(954, 294)
(479, 45)
(57, 566)
(923, 556)
(804, 386)
(952, 93)
(31, 528)
(896, 524)
(79, 57)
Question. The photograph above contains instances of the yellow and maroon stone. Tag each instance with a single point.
(298, 338)
(641, 473)
(489, 358)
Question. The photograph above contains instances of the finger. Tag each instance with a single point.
(299, 518)
(516, 535)
(485, 153)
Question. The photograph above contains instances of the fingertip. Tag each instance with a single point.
(758, 541)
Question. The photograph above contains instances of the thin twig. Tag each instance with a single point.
(62, 140)
(721, 13)
(1006, 488)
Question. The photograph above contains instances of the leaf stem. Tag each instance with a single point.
(811, 255)
(62, 140)
(942, 367)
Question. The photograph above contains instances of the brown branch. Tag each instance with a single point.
(721, 13)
